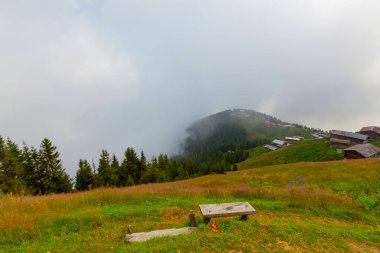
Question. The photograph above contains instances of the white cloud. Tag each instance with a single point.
(112, 74)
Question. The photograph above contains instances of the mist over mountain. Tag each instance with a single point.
(90, 75)
(236, 129)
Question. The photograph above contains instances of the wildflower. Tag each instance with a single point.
(300, 180)
(214, 227)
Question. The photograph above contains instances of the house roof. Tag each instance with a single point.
(371, 129)
(366, 150)
(350, 134)
(270, 147)
(315, 135)
(292, 138)
(279, 142)
(339, 141)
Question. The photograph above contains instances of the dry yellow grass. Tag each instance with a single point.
(102, 214)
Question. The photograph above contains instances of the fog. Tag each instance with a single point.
(111, 74)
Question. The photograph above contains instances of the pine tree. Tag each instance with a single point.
(173, 170)
(97, 181)
(55, 179)
(115, 167)
(30, 168)
(163, 162)
(151, 173)
(39, 181)
(129, 181)
(129, 167)
(141, 166)
(84, 176)
(104, 169)
(3, 176)
(12, 169)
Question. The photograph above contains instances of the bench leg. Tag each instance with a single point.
(206, 220)
(244, 217)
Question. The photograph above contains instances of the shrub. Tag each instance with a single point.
(367, 202)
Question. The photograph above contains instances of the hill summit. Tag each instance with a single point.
(236, 129)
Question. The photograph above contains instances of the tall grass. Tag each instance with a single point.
(292, 201)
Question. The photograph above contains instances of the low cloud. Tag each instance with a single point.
(111, 74)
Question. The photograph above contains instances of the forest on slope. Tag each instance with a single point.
(215, 144)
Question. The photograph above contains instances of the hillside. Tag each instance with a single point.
(304, 207)
(304, 151)
(233, 130)
(258, 125)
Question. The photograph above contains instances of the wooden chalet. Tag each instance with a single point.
(354, 138)
(270, 147)
(361, 151)
(279, 143)
(339, 143)
(316, 136)
(373, 132)
(293, 138)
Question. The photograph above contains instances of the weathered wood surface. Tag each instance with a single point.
(226, 209)
(143, 236)
(193, 222)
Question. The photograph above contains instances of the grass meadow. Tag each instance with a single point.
(302, 207)
(303, 151)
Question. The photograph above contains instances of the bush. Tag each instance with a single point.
(367, 202)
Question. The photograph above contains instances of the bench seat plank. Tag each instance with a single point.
(226, 209)
(144, 236)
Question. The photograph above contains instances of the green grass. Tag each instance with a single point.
(375, 142)
(304, 207)
(304, 151)
(257, 151)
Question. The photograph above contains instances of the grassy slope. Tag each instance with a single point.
(257, 125)
(376, 143)
(305, 151)
(300, 207)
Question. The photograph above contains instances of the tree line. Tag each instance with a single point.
(31, 170)
(38, 171)
(136, 169)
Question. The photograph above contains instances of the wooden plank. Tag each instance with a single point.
(226, 209)
(143, 236)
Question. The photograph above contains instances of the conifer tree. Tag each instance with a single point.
(39, 181)
(96, 182)
(129, 167)
(129, 181)
(55, 179)
(2, 169)
(84, 176)
(163, 162)
(173, 170)
(151, 173)
(115, 167)
(30, 168)
(12, 169)
(104, 169)
(141, 166)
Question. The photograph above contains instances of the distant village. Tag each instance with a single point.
(354, 145)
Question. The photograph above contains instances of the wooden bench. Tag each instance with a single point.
(226, 209)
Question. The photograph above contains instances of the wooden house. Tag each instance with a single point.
(279, 143)
(373, 132)
(270, 147)
(316, 136)
(354, 138)
(361, 151)
(293, 138)
(339, 143)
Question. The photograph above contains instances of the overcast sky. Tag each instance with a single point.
(110, 74)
